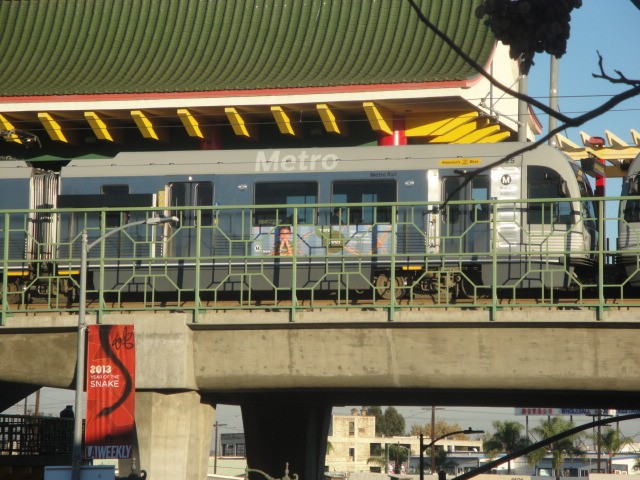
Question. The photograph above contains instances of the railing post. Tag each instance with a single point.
(392, 280)
(494, 261)
(294, 266)
(103, 249)
(196, 286)
(5, 269)
(601, 257)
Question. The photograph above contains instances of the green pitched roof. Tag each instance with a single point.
(66, 47)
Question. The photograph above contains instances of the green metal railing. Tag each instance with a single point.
(487, 255)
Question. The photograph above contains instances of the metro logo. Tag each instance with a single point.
(302, 162)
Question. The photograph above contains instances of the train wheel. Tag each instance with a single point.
(383, 286)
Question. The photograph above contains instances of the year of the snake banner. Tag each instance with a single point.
(110, 391)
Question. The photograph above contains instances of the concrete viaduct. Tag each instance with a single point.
(286, 376)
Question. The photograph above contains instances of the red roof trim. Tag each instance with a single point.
(244, 93)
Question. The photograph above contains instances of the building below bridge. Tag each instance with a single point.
(353, 442)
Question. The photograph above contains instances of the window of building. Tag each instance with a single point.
(352, 428)
(240, 450)
(352, 454)
(285, 193)
(363, 192)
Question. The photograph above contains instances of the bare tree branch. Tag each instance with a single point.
(476, 66)
(621, 76)
(567, 121)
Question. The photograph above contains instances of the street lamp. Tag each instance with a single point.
(76, 453)
(468, 431)
(398, 462)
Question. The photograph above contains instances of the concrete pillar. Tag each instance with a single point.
(173, 434)
(280, 433)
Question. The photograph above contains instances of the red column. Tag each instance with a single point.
(398, 136)
(212, 139)
(600, 181)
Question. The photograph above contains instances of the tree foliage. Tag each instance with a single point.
(389, 423)
(507, 438)
(611, 441)
(530, 26)
(558, 450)
(389, 453)
(442, 427)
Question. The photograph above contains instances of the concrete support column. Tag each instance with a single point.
(280, 433)
(173, 434)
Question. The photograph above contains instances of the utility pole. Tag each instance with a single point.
(37, 407)
(433, 435)
(215, 445)
(599, 437)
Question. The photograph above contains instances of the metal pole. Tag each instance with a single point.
(553, 95)
(215, 446)
(522, 107)
(599, 437)
(76, 455)
(421, 457)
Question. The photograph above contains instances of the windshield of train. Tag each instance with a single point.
(630, 209)
(586, 193)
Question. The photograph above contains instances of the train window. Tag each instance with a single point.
(588, 207)
(115, 219)
(364, 192)
(631, 210)
(480, 191)
(114, 189)
(187, 194)
(204, 198)
(284, 193)
(543, 182)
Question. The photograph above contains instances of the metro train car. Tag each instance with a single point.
(629, 226)
(359, 218)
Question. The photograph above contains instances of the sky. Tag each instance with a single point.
(607, 26)
(611, 28)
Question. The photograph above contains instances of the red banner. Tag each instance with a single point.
(110, 391)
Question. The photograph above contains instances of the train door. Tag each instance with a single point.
(465, 226)
(189, 194)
